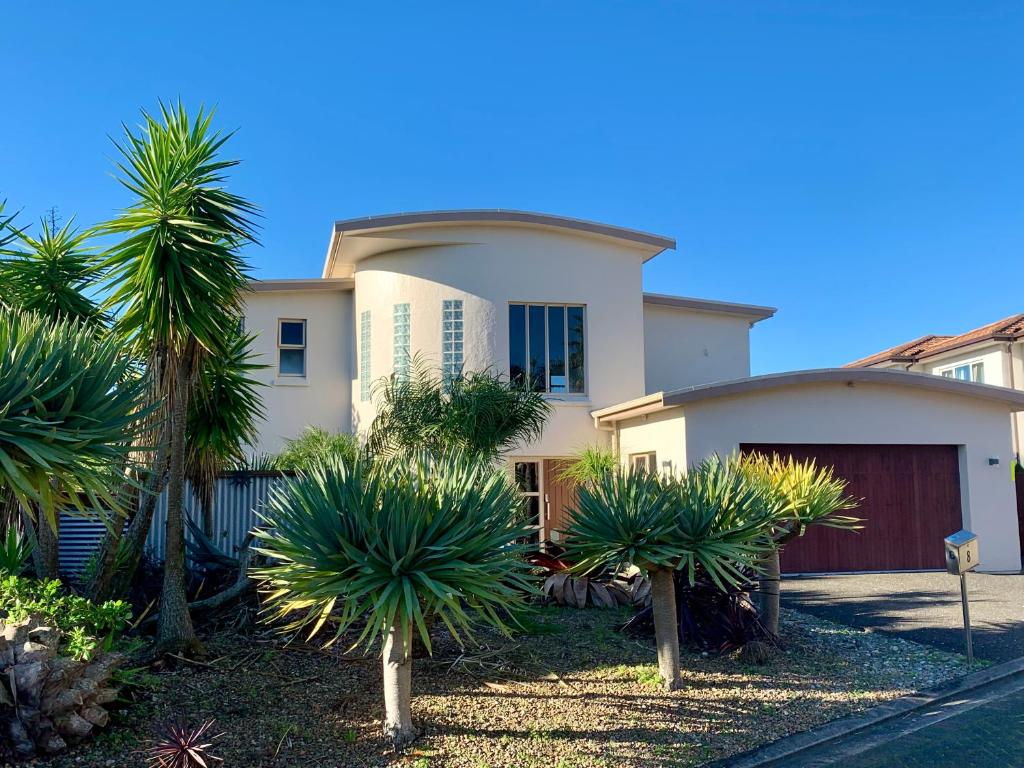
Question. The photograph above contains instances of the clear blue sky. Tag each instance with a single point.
(859, 165)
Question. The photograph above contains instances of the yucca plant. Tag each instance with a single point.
(384, 545)
(52, 274)
(178, 281)
(804, 495)
(223, 417)
(71, 409)
(630, 518)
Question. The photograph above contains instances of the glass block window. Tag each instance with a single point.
(364, 356)
(547, 348)
(451, 338)
(291, 347)
(401, 341)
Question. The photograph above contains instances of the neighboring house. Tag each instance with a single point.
(664, 380)
(991, 354)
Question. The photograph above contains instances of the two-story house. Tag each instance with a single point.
(663, 380)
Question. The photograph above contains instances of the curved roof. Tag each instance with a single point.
(1012, 398)
(376, 225)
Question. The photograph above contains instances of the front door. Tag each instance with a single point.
(549, 497)
(528, 478)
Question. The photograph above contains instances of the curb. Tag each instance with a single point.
(792, 746)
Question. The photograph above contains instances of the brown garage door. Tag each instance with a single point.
(910, 502)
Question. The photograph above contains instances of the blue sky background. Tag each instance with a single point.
(859, 165)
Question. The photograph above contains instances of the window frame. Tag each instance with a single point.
(304, 346)
(974, 366)
(565, 306)
(649, 459)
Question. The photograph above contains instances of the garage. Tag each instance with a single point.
(910, 500)
(928, 455)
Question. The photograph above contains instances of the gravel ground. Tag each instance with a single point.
(576, 695)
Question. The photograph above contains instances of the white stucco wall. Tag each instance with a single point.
(865, 414)
(323, 397)
(663, 432)
(684, 347)
(991, 356)
(489, 267)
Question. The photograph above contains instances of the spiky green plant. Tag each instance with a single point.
(52, 274)
(71, 409)
(630, 518)
(807, 495)
(223, 417)
(480, 412)
(15, 550)
(315, 446)
(590, 464)
(383, 545)
(178, 281)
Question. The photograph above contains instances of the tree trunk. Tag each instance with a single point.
(207, 502)
(666, 626)
(175, 633)
(768, 591)
(398, 725)
(48, 548)
(110, 580)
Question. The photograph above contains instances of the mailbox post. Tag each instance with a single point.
(962, 557)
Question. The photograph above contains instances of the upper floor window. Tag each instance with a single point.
(364, 356)
(400, 343)
(966, 372)
(451, 338)
(547, 347)
(291, 347)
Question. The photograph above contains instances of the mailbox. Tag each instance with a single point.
(961, 552)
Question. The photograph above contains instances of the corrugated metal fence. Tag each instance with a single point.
(237, 498)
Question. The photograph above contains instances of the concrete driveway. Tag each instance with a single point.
(923, 607)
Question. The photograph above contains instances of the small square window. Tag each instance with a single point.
(292, 362)
(293, 333)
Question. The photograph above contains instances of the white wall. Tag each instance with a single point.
(323, 397)
(991, 356)
(487, 268)
(684, 347)
(663, 432)
(865, 414)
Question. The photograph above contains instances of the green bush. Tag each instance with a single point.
(85, 625)
(315, 447)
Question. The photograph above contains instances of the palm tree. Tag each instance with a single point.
(50, 275)
(222, 418)
(713, 520)
(480, 412)
(807, 495)
(629, 518)
(178, 282)
(383, 545)
(72, 408)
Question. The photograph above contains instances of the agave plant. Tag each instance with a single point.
(180, 746)
(384, 545)
(804, 495)
(15, 550)
(72, 407)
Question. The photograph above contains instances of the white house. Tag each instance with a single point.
(665, 380)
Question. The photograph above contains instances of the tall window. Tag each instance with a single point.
(967, 372)
(547, 347)
(364, 356)
(401, 341)
(291, 347)
(451, 338)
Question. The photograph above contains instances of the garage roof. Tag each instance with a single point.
(1012, 398)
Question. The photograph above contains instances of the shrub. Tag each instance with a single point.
(84, 625)
(314, 447)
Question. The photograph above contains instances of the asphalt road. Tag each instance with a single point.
(923, 607)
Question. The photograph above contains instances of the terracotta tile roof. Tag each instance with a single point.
(1007, 329)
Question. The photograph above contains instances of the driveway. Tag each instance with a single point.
(923, 607)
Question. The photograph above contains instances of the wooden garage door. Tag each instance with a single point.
(910, 502)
